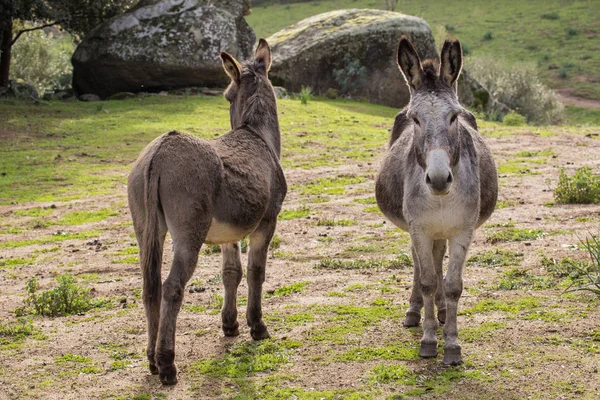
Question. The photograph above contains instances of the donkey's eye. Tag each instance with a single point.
(453, 119)
(416, 121)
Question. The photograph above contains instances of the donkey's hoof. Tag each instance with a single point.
(168, 375)
(428, 350)
(153, 369)
(442, 316)
(260, 332)
(452, 356)
(412, 319)
(231, 330)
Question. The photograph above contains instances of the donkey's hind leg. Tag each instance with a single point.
(152, 294)
(413, 314)
(232, 275)
(257, 260)
(185, 257)
(439, 250)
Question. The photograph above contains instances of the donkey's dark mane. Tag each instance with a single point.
(431, 76)
(262, 101)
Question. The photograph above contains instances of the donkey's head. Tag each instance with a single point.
(250, 93)
(434, 110)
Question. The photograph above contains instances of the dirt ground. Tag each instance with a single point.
(522, 357)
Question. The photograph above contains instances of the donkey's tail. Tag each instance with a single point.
(151, 251)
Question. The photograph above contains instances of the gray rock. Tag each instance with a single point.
(353, 51)
(162, 45)
(89, 97)
(472, 94)
(22, 90)
(280, 92)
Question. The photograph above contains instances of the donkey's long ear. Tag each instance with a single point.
(263, 53)
(409, 63)
(231, 66)
(451, 61)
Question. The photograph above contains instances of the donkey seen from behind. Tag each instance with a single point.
(212, 192)
(439, 182)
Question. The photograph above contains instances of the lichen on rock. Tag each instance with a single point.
(310, 52)
(160, 45)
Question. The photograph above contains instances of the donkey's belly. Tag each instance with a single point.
(222, 232)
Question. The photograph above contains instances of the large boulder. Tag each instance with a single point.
(353, 51)
(162, 44)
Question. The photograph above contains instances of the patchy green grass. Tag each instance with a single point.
(335, 222)
(300, 212)
(330, 186)
(516, 278)
(400, 351)
(514, 235)
(402, 261)
(244, 359)
(511, 306)
(59, 236)
(84, 217)
(496, 258)
(346, 322)
(288, 290)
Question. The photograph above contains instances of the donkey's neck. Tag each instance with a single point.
(260, 115)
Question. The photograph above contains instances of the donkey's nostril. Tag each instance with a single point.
(450, 179)
(427, 179)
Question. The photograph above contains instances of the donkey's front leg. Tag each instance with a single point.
(453, 286)
(439, 250)
(415, 303)
(428, 278)
(232, 275)
(257, 259)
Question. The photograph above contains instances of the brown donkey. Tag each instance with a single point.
(212, 192)
(439, 183)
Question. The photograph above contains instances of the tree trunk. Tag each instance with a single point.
(5, 48)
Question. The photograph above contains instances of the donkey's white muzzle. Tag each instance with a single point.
(438, 175)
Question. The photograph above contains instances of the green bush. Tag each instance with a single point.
(519, 87)
(581, 188)
(65, 299)
(43, 60)
(514, 119)
(352, 76)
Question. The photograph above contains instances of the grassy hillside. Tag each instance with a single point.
(561, 37)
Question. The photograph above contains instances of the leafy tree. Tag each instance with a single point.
(76, 16)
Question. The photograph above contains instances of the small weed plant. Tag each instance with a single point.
(581, 188)
(589, 277)
(305, 94)
(66, 299)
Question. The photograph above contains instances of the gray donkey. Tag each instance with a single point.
(212, 192)
(438, 181)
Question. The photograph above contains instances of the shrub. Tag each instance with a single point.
(551, 15)
(581, 188)
(43, 60)
(65, 299)
(352, 76)
(488, 36)
(514, 119)
(519, 87)
(305, 94)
